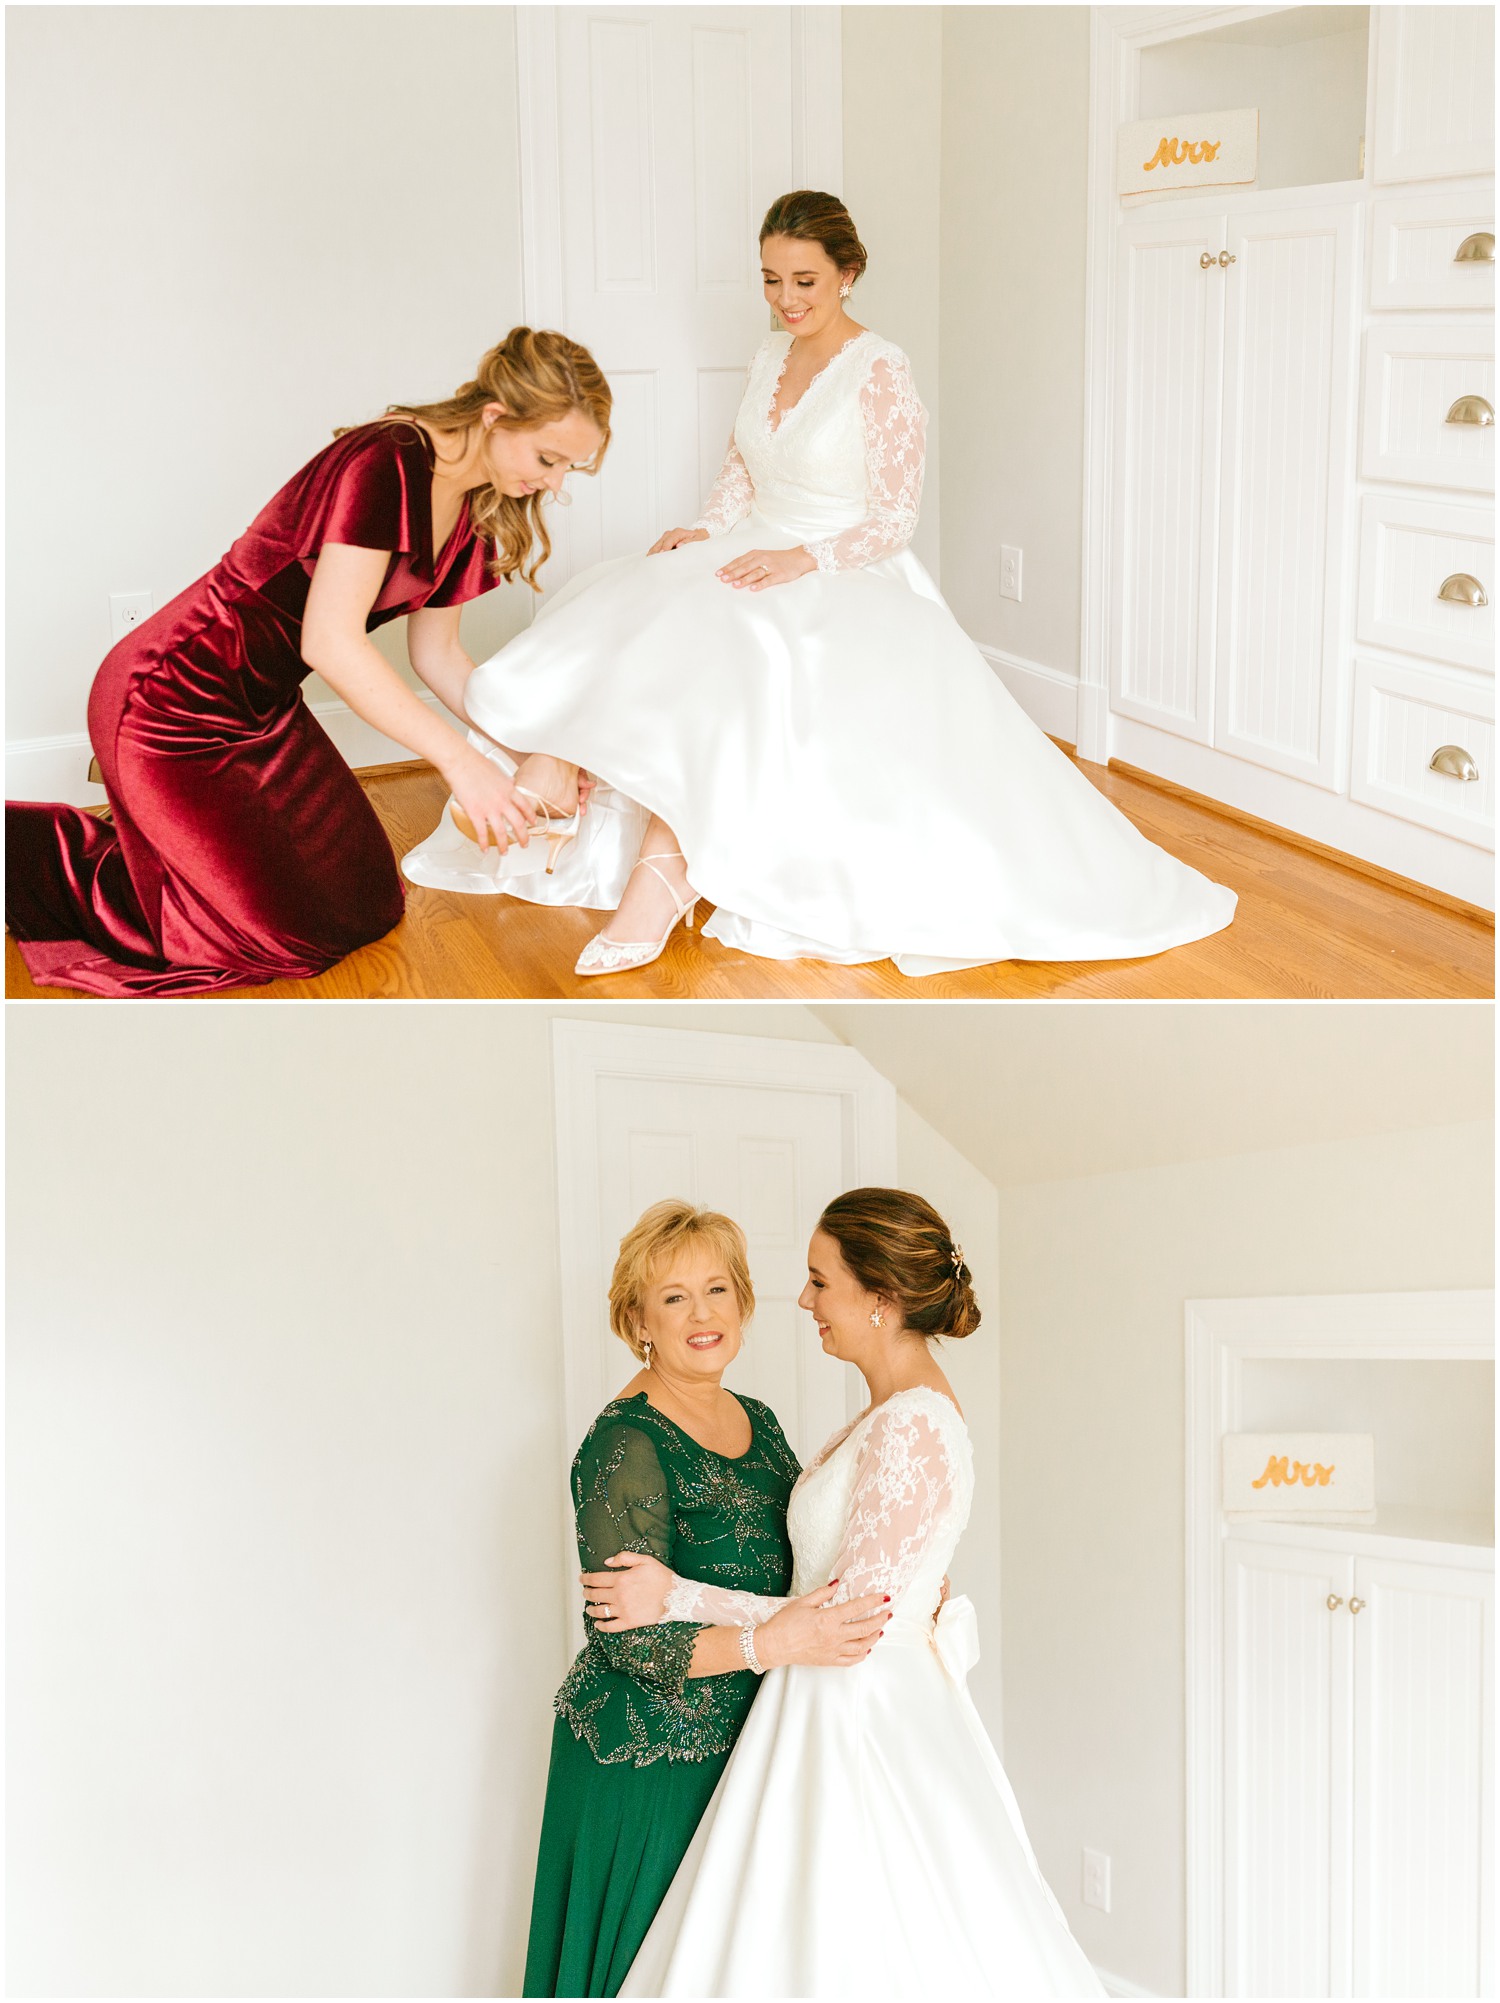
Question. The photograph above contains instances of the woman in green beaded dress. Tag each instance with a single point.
(680, 1468)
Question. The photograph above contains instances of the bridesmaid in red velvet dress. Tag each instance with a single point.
(242, 847)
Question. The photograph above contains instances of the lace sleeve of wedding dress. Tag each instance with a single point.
(895, 443)
(903, 1488)
(730, 496)
(621, 1503)
(718, 1606)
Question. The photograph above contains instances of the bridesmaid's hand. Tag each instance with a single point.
(674, 538)
(809, 1630)
(631, 1593)
(485, 798)
(759, 569)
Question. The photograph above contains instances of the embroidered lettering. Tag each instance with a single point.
(1176, 152)
(1278, 1475)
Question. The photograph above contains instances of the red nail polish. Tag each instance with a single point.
(887, 1599)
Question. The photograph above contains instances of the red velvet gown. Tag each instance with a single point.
(242, 849)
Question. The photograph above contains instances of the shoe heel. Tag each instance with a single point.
(555, 846)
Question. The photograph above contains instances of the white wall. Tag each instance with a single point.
(1094, 1276)
(1013, 218)
(287, 1480)
(893, 129)
(229, 229)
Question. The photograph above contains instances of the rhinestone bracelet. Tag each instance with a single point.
(747, 1649)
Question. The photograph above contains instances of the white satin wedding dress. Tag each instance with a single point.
(863, 1840)
(847, 778)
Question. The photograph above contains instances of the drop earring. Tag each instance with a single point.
(647, 1347)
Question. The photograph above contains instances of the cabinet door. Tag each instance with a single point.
(1434, 92)
(1166, 479)
(1289, 377)
(1286, 1770)
(1423, 1792)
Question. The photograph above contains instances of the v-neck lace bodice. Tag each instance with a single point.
(775, 418)
(841, 470)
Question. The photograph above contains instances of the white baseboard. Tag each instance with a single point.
(1048, 697)
(56, 768)
(1116, 1985)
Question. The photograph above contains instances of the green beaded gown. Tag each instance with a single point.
(638, 1745)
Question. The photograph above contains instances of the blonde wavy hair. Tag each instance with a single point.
(654, 1237)
(540, 377)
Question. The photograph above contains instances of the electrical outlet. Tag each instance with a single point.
(1096, 1879)
(1010, 573)
(127, 610)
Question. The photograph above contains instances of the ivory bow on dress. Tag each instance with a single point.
(955, 1636)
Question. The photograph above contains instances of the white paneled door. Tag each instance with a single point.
(1287, 471)
(766, 1130)
(1167, 455)
(654, 139)
(1423, 1780)
(1287, 1865)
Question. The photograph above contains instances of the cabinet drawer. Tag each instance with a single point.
(1413, 244)
(1407, 551)
(1415, 371)
(1401, 717)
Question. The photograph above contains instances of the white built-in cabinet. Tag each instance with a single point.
(1234, 462)
(1358, 1763)
(1297, 527)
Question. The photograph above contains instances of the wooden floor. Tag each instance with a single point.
(1307, 928)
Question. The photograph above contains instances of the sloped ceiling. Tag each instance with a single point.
(1035, 1092)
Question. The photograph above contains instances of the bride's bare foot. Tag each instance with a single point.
(550, 779)
(647, 907)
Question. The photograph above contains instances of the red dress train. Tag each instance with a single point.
(242, 848)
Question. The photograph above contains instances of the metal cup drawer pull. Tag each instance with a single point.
(1454, 761)
(1333, 1603)
(1470, 410)
(1461, 589)
(1476, 249)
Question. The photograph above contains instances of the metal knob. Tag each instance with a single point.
(1226, 258)
(1453, 761)
(1476, 249)
(1355, 1606)
(1461, 589)
(1207, 261)
(1470, 410)
(1334, 1603)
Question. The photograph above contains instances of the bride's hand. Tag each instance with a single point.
(758, 569)
(674, 537)
(809, 1630)
(632, 1592)
(487, 799)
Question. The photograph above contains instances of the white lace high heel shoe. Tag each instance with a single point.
(554, 827)
(617, 956)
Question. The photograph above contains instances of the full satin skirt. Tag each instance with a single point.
(864, 1841)
(847, 778)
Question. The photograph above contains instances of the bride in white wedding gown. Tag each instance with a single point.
(863, 1807)
(785, 717)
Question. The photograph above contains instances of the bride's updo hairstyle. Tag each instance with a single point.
(540, 377)
(809, 217)
(896, 1245)
(654, 1239)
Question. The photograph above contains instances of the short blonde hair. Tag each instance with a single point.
(653, 1238)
